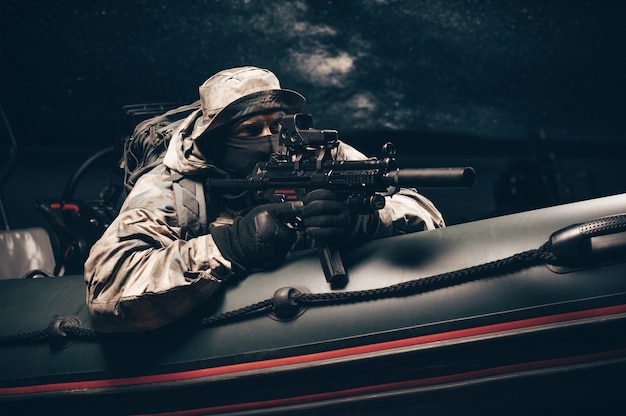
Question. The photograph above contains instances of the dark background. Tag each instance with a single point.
(529, 92)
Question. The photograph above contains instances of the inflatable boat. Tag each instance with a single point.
(512, 314)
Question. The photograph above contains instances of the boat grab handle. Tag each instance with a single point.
(599, 240)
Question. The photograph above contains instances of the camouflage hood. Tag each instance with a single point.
(183, 155)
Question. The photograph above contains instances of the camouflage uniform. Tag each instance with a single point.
(143, 274)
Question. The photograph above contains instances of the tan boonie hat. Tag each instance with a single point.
(237, 92)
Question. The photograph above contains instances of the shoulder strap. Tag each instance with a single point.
(191, 205)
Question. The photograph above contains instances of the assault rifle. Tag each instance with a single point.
(307, 162)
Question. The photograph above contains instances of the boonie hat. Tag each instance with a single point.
(238, 92)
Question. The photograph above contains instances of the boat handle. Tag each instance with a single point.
(600, 238)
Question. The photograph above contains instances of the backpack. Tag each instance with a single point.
(145, 149)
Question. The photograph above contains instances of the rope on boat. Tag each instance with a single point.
(516, 262)
(64, 329)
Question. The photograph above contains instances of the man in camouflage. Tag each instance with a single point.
(145, 272)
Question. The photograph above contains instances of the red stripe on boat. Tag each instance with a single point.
(320, 356)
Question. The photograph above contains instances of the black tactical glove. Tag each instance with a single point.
(326, 218)
(259, 240)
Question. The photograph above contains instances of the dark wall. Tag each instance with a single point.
(495, 68)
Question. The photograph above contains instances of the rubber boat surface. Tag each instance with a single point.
(478, 318)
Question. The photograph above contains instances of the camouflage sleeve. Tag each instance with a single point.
(140, 274)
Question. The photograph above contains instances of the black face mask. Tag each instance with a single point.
(239, 155)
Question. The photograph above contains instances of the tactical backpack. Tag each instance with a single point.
(145, 149)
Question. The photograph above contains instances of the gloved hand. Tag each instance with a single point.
(327, 218)
(259, 240)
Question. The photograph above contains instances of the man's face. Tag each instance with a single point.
(249, 141)
(258, 126)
